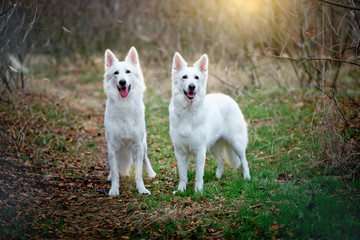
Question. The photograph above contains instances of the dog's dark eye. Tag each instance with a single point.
(116, 72)
(196, 77)
(128, 71)
(185, 77)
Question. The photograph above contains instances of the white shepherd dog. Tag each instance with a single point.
(125, 131)
(199, 122)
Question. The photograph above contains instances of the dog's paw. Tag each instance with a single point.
(114, 191)
(182, 187)
(151, 174)
(144, 191)
(218, 174)
(198, 189)
(247, 176)
(199, 184)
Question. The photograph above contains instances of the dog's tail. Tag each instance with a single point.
(230, 156)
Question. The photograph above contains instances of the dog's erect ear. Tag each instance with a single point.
(202, 63)
(109, 58)
(132, 57)
(178, 63)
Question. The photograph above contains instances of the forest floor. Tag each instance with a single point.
(53, 170)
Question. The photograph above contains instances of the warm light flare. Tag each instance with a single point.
(246, 6)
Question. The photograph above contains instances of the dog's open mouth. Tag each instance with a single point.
(189, 95)
(124, 91)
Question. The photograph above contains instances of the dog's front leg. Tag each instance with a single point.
(138, 156)
(114, 173)
(183, 163)
(200, 157)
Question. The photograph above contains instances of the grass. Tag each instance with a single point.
(58, 149)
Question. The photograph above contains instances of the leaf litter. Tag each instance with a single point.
(53, 178)
(53, 172)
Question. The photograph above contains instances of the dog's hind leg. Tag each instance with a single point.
(216, 150)
(138, 156)
(244, 164)
(150, 171)
(238, 145)
(220, 164)
(114, 174)
(241, 152)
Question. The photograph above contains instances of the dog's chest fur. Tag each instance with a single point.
(187, 125)
(124, 122)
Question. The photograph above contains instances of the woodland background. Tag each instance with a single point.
(283, 61)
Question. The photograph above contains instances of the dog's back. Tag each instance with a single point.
(223, 113)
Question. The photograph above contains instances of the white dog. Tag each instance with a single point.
(124, 120)
(199, 122)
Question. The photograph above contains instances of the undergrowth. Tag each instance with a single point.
(53, 175)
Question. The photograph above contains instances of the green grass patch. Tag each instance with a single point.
(287, 197)
(284, 199)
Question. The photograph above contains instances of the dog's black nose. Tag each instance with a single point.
(122, 82)
(191, 86)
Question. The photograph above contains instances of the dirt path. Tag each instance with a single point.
(53, 167)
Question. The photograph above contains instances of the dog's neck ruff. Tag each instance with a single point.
(183, 105)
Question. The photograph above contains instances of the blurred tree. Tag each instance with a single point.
(17, 19)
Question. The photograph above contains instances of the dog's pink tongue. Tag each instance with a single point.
(191, 95)
(124, 92)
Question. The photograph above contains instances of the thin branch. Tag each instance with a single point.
(356, 16)
(340, 5)
(22, 72)
(304, 60)
(232, 86)
(296, 14)
(226, 83)
(31, 25)
(5, 81)
(6, 21)
(13, 6)
(283, 48)
(334, 100)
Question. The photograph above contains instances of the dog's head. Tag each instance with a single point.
(190, 81)
(122, 78)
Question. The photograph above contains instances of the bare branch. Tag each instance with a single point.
(304, 60)
(236, 88)
(333, 98)
(13, 6)
(226, 83)
(340, 5)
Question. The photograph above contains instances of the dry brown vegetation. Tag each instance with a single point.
(302, 56)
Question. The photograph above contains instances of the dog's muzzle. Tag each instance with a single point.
(190, 94)
(124, 91)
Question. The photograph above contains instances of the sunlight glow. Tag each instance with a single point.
(248, 6)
